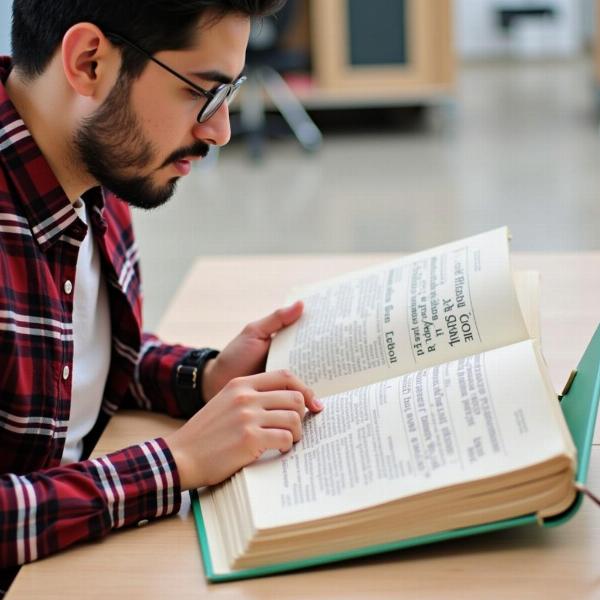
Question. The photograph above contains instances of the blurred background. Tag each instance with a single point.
(392, 126)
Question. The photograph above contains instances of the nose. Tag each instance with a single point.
(216, 131)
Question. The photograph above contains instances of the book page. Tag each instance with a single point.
(527, 286)
(477, 417)
(424, 309)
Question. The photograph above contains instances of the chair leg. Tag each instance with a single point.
(291, 109)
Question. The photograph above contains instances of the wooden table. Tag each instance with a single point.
(162, 560)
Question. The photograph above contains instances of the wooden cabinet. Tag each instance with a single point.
(357, 61)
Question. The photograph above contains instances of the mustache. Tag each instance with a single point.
(199, 149)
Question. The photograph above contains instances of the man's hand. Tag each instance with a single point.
(249, 416)
(247, 353)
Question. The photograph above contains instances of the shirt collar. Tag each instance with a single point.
(45, 204)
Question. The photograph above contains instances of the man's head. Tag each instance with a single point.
(132, 123)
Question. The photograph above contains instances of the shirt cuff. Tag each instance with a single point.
(140, 483)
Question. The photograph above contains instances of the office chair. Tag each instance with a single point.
(265, 60)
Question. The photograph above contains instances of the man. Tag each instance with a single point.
(104, 105)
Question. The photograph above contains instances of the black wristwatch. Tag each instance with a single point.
(188, 380)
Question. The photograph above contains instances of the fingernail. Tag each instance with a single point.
(318, 403)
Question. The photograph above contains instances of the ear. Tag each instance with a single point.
(88, 59)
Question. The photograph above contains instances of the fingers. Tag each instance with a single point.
(283, 411)
(278, 439)
(288, 401)
(282, 317)
(284, 380)
(287, 420)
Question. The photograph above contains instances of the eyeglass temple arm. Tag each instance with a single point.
(197, 88)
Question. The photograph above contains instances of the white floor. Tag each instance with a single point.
(522, 149)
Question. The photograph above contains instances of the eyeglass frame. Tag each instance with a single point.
(232, 87)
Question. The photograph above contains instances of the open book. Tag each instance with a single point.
(439, 417)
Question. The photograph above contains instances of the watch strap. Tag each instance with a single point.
(188, 380)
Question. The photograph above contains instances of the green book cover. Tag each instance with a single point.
(579, 406)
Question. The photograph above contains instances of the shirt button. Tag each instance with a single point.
(68, 286)
(66, 372)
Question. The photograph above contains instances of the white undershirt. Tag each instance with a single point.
(91, 338)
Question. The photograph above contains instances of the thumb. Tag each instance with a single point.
(290, 314)
(282, 317)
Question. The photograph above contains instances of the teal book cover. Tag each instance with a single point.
(579, 405)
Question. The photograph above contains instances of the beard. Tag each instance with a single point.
(111, 145)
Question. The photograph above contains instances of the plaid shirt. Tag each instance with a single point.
(45, 507)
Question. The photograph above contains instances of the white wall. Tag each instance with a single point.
(478, 36)
(5, 17)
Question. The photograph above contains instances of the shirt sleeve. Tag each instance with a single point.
(47, 511)
(153, 384)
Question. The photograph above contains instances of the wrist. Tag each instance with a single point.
(208, 389)
(180, 463)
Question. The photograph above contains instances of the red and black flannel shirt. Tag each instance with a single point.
(45, 507)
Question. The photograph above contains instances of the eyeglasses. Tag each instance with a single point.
(224, 92)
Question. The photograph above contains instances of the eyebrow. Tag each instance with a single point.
(214, 76)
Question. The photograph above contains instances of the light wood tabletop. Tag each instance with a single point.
(162, 559)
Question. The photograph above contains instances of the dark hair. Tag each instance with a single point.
(38, 26)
